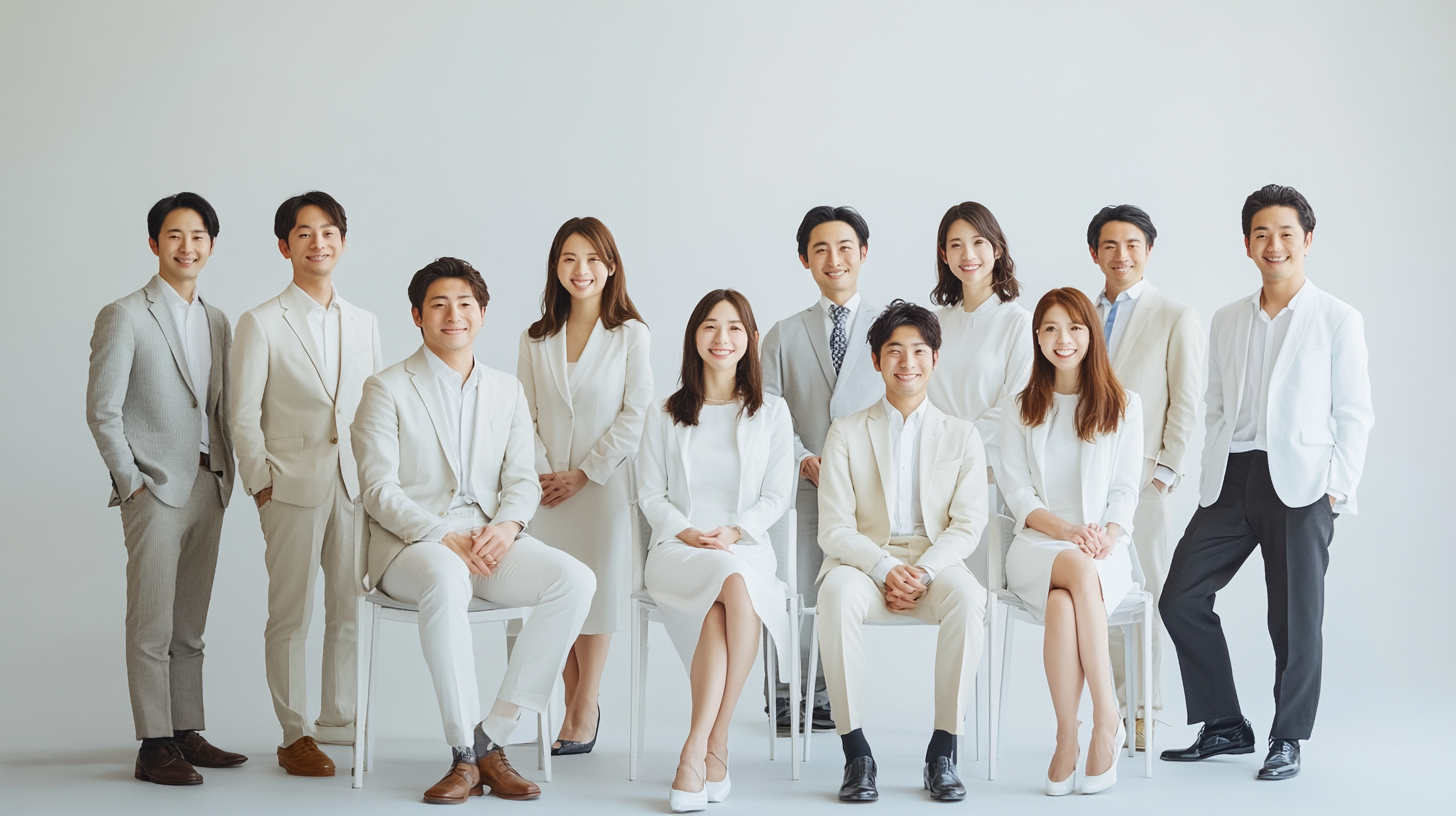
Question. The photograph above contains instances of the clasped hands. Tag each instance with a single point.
(1093, 539)
(483, 547)
(904, 587)
(558, 487)
(718, 538)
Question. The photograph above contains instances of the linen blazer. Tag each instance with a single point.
(766, 471)
(1319, 399)
(1160, 358)
(141, 402)
(407, 469)
(856, 483)
(1111, 468)
(292, 427)
(611, 411)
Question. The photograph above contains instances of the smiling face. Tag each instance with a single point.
(314, 244)
(582, 270)
(183, 246)
(1277, 243)
(722, 339)
(1061, 340)
(834, 259)
(969, 254)
(1122, 252)
(905, 362)
(451, 316)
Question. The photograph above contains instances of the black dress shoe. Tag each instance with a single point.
(943, 780)
(782, 716)
(822, 719)
(859, 781)
(1233, 739)
(1282, 761)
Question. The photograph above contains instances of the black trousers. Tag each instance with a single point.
(1294, 542)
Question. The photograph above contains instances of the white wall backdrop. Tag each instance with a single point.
(700, 133)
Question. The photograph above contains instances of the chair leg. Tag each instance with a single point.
(374, 622)
(1008, 637)
(1129, 672)
(769, 674)
(634, 727)
(993, 694)
(796, 745)
(1147, 686)
(544, 740)
(361, 698)
(813, 676)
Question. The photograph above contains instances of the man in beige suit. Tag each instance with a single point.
(1156, 346)
(299, 365)
(902, 502)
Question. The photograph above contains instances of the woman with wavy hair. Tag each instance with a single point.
(1071, 464)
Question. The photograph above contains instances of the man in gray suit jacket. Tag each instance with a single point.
(819, 361)
(157, 402)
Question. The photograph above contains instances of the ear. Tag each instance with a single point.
(156, 250)
(803, 259)
(864, 250)
(1308, 240)
(1091, 250)
(415, 313)
(1247, 250)
(283, 248)
(875, 358)
(934, 358)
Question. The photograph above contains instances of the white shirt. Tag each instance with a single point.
(460, 399)
(713, 475)
(985, 360)
(323, 324)
(191, 322)
(906, 518)
(1063, 452)
(1266, 338)
(1127, 300)
(826, 304)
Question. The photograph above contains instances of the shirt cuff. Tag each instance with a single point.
(929, 573)
(1339, 497)
(1165, 474)
(881, 570)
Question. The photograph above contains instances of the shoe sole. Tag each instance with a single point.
(197, 764)
(1262, 777)
(875, 798)
(519, 797)
(1248, 750)
(147, 778)
(292, 772)
(437, 800)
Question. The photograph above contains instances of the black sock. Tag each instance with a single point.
(181, 736)
(942, 744)
(156, 742)
(483, 743)
(855, 746)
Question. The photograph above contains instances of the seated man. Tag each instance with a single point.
(902, 502)
(446, 456)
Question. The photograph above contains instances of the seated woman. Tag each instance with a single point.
(716, 471)
(1071, 458)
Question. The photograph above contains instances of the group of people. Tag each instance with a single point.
(894, 432)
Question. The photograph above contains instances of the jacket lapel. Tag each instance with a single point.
(930, 431)
(1087, 453)
(353, 337)
(298, 321)
(170, 330)
(1298, 322)
(813, 318)
(555, 348)
(879, 428)
(863, 316)
(749, 460)
(1142, 315)
(1038, 450)
(429, 390)
(216, 327)
(1241, 352)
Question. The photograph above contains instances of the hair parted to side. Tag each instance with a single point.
(685, 403)
(1277, 195)
(1102, 399)
(904, 313)
(617, 307)
(287, 216)
(446, 268)
(1126, 213)
(948, 288)
(823, 215)
(181, 201)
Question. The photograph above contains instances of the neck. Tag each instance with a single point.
(585, 312)
(840, 298)
(1067, 382)
(1114, 288)
(186, 288)
(906, 405)
(974, 293)
(1276, 294)
(461, 360)
(720, 384)
(320, 288)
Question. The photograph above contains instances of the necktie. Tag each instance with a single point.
(1111, 321)
(839, 338)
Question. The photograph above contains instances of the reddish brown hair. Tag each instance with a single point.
(617, 307)
(1102, 399)
(687, 401)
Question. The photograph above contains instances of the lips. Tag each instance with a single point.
(1065, 353)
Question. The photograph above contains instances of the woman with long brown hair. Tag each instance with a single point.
(1071, 465)
(587, 373)
(717, 471)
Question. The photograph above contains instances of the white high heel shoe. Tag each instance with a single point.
(1067, 785)
(717, 791)
(688, 801)
(1108, 778)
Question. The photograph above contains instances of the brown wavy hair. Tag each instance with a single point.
(949, 291)
(617, 307)
(1102, 399)
(687, 401)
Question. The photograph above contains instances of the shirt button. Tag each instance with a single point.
(333, 440)
(442, 515)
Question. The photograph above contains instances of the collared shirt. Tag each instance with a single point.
(192, 327)
(1266, 338)
(460, 398)
(906, 517)
(1127, 301)
(323, 324)
(826, 304)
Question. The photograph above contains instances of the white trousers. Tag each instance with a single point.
(1150, 537)
(848, 599)
(299, 540)
(433, 577)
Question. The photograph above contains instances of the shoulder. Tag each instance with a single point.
(1229, 313)
(1327, 303)
(131, 305)
(498, 381)
(394, 375)
(775, 406)
(1014, 314)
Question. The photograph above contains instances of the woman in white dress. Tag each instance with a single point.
(716, 472)
(587, 373)
(1071, 462)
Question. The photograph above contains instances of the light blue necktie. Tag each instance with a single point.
(1111, 321)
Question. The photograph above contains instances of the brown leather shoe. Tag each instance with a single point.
(303, 758)
(497, 774)
(164, 765)
(461, 783)
(203, 754)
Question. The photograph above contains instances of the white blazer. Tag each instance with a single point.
(291, 429)
(1319, 399)
(1111, 467)
(598, 425)
(766, 472)
(407, 469)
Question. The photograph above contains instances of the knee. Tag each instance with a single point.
(577, 581)
(836, 595)
(1059, 605)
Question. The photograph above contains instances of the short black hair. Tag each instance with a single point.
(446, 268)
(904, 313)
(287, 215)
(1277, 195)
(823, 215)
(1126, 213)
(181, 201)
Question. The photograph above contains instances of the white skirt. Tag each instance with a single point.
(1029, 570)
(595, 528)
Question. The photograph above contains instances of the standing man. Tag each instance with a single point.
(299, 367)
(819, 362)
(1289, 417)
(1156, 348)
(157, 403)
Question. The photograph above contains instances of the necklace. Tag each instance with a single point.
(729, 401)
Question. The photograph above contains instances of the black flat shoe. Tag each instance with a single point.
(859, 781)
(1232, 739)
(1282, 761)
(943, 780)
(571, 747)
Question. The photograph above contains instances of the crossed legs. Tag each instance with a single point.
(726, 650)
(1075, 652)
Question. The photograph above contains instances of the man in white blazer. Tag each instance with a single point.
(902, 503)
(820, 363)
(299, 365)
(1289, 416)
(1156, 347)
(447, 476)
(156, 401)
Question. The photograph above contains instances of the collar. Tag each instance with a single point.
(304, 302)
(176, 300)
(444, 372)
(852, 304)
(1130, 293)
(897, 421)
(1259, 295)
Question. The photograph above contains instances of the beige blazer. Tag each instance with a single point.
(856, 477)
(407, 468)
(291, 427)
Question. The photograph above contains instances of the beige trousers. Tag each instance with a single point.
(299, 541)
(1150, 537)
(848, 599)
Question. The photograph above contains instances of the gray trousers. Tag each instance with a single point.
(171, 554)
(810, 558)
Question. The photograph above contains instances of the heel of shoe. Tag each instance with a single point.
(687, 801)
(718, 791)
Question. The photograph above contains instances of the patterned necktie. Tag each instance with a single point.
(839, 338)
(1111, 321)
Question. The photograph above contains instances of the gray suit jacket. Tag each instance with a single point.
(141, 402)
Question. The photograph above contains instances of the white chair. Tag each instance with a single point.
(644, 610)
(1134, 616)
